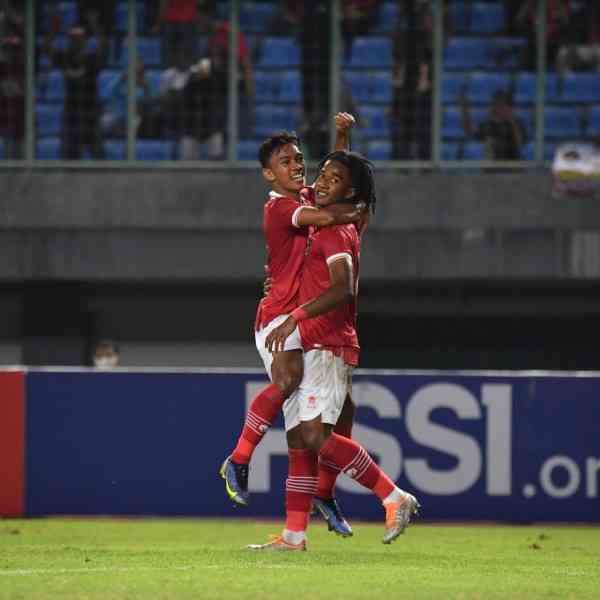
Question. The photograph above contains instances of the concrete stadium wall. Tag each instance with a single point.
(198, 225)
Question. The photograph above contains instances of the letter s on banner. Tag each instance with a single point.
(438, 437)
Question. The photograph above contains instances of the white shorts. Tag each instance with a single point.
(293, 342)
(326, 382)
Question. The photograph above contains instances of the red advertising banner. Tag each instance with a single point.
(12, 443)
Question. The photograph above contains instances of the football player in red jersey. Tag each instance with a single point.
(326, 319)
(288, 214)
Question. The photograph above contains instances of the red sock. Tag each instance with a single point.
(300, 488)
(353, 459)
(328, 471)
(261, 414)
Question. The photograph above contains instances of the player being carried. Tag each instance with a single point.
(288, 214)
(326, 320)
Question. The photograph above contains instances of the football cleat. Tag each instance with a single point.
(276, 543)
(236, 481)
(397, 517)
(330, 511)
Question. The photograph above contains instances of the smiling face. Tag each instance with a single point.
(334, 184)
(286, 171)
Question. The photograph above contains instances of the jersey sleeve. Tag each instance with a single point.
(286, 211)
(334, 245)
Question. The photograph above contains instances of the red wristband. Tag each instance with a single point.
(299, 314)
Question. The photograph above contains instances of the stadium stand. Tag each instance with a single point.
(478, 60)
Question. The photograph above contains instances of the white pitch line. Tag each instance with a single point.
(31, 572)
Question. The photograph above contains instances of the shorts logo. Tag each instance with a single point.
(351, 473)
(312, 401)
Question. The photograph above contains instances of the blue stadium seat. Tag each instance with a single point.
(449, 151)
(48, 149)
(153, 79)
(278, 86)
(256, 16)
(51, 86)
(248, 150)
(272, 117)
(594, 121)
(580, 87)
(375, 121)
(482, 86)
(278, 52)
(452, 84)
(379, 150)
(153, 150)
(373, 86)
(473, 151)
(148, 51)
(2, 150)
(487, 17)
(463, 54)
(561, 122)
(122, 17)
(106, 80)
(388, 19)
(48, 119)
(504, 53)
(528, 151)
(371, 52)
(452, 123)
(114, 149)
(67, 11)
(460, 17)
(291, 87)
(526, 86)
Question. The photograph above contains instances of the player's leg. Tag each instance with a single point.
(300, 487)
(285, 371)
(325, 502)
(346, 454)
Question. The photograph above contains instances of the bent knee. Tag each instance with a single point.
(287, 381)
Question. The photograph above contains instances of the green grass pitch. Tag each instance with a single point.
(87, 559)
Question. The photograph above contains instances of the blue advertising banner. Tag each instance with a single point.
(501, 446)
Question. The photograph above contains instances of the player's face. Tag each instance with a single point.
(286, 172)
(333, 184)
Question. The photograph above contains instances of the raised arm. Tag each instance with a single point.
(340, 291)
(343, 123)
(337, 214)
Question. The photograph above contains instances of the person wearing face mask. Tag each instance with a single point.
(106, 355)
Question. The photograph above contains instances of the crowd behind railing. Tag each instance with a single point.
(393, 69)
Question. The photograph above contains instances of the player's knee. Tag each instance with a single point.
(287, 381)
(312, 437)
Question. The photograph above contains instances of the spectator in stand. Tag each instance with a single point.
(288, 20)
(502, 133)
(12, 96)
(114, 119)
(557, 21)
(582, 53)
(11, 20)
(218, 50)
(177, 20)
(82, 106)
(358, 18)
(106, 355)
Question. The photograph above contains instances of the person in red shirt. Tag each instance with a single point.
(288, 214)
(178, 22)
(326, 319)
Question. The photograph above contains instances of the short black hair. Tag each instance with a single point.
(272, 143)
(361, 172)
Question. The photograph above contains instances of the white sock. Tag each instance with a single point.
(396, 495)
(293, 537)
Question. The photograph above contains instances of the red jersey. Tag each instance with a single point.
(181, 11)
(336, 329)
(286, 245)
